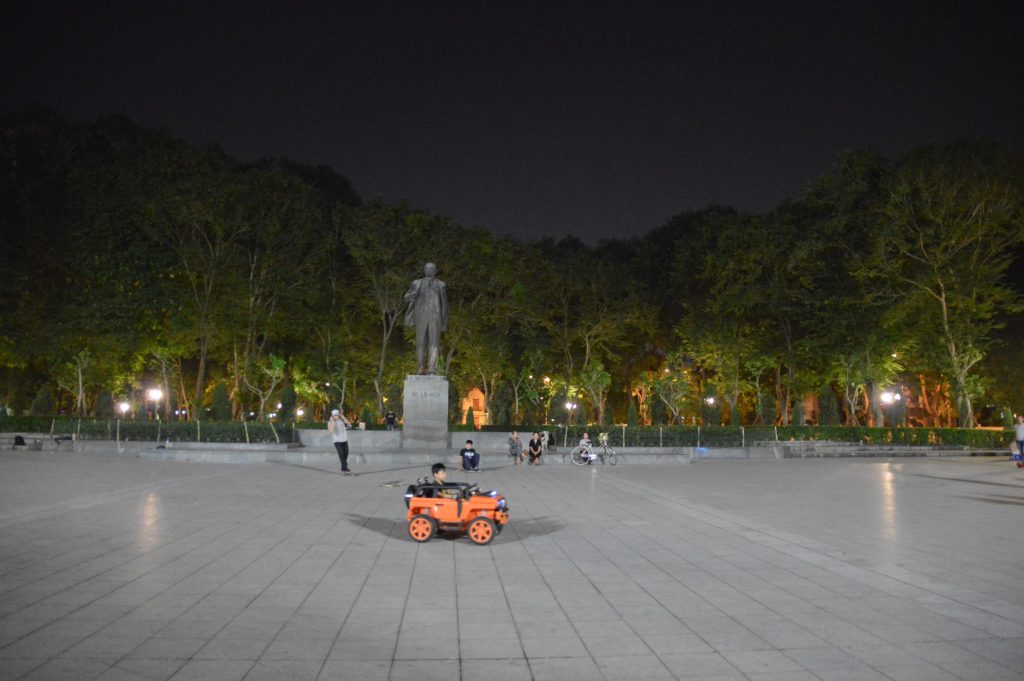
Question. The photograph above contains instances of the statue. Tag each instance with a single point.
(427, 310)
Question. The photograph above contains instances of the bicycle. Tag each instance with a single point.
(581, 454)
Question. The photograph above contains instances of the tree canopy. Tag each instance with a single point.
(135, 259)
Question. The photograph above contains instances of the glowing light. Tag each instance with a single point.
(155, 394)
(124, 407)
(887, 397)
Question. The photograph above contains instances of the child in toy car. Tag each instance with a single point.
(437, 505)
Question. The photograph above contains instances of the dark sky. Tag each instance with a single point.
(600, 119)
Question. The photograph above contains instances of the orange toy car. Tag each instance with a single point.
(455, 506)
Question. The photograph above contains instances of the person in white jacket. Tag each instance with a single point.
(338, 427)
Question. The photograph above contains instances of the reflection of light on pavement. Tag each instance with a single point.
(889, 529)
(149, 528)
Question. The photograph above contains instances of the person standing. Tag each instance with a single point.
(338, 427)
(391, 419)
(427, 310)
(1018, 433)
(536, 448)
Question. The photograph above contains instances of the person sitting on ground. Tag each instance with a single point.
(440, 474)
(515, 447)
(586, 444)
(470, 457)
(536, 448)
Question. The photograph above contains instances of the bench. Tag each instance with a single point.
(65, 443)
(18, 441)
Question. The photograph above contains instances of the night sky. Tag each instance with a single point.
(597, 119)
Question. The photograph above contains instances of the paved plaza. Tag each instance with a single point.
(115, 568)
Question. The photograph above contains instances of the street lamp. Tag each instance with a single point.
(155, 395)
(888, 397)
(123, 407)
(569, 408)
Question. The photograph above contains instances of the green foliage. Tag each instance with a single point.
(632, 418)
(470, 419)
(766, 408)
(288, 401)
(367, 417)
(711, 408)
(733, 436)
(828, 411)
(182, 267)
(104, 405)
(220, 408)
(45, 402)
(148, 430)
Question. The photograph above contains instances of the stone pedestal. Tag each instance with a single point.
(425, 412)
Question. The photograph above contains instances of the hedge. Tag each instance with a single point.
(148, 430)
(735, 436)
(649, 436)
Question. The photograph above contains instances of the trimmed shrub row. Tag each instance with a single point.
(151, 430)
(651, 436)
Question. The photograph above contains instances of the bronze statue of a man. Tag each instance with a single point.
(427, 310)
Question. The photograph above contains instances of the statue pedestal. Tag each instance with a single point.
(425, 412)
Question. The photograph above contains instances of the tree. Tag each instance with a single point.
(386, 243)
(220, 408)
(193, 217)
(45, 403)
(595, 381)
(952, 216)
(73, 378)
(272, 372)
(671, 387)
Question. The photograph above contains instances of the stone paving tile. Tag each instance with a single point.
(118, 568)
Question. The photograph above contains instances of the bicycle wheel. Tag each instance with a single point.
(611, 456)
(578, 455)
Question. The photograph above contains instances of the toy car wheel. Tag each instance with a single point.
(481, 530)
(422, 527)
(578, 455)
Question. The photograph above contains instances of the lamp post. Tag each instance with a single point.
(123, 407)
(569, 408)
(155, 395)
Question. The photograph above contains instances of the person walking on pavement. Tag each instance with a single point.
(338, 426)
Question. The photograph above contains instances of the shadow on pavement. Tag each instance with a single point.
(514, 531)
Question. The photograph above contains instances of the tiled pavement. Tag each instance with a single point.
(118, 569)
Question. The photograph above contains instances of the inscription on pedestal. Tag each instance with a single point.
(425, 412)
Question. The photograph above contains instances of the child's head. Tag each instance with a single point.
(439, 472)
(469, 443)
(586, 435)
